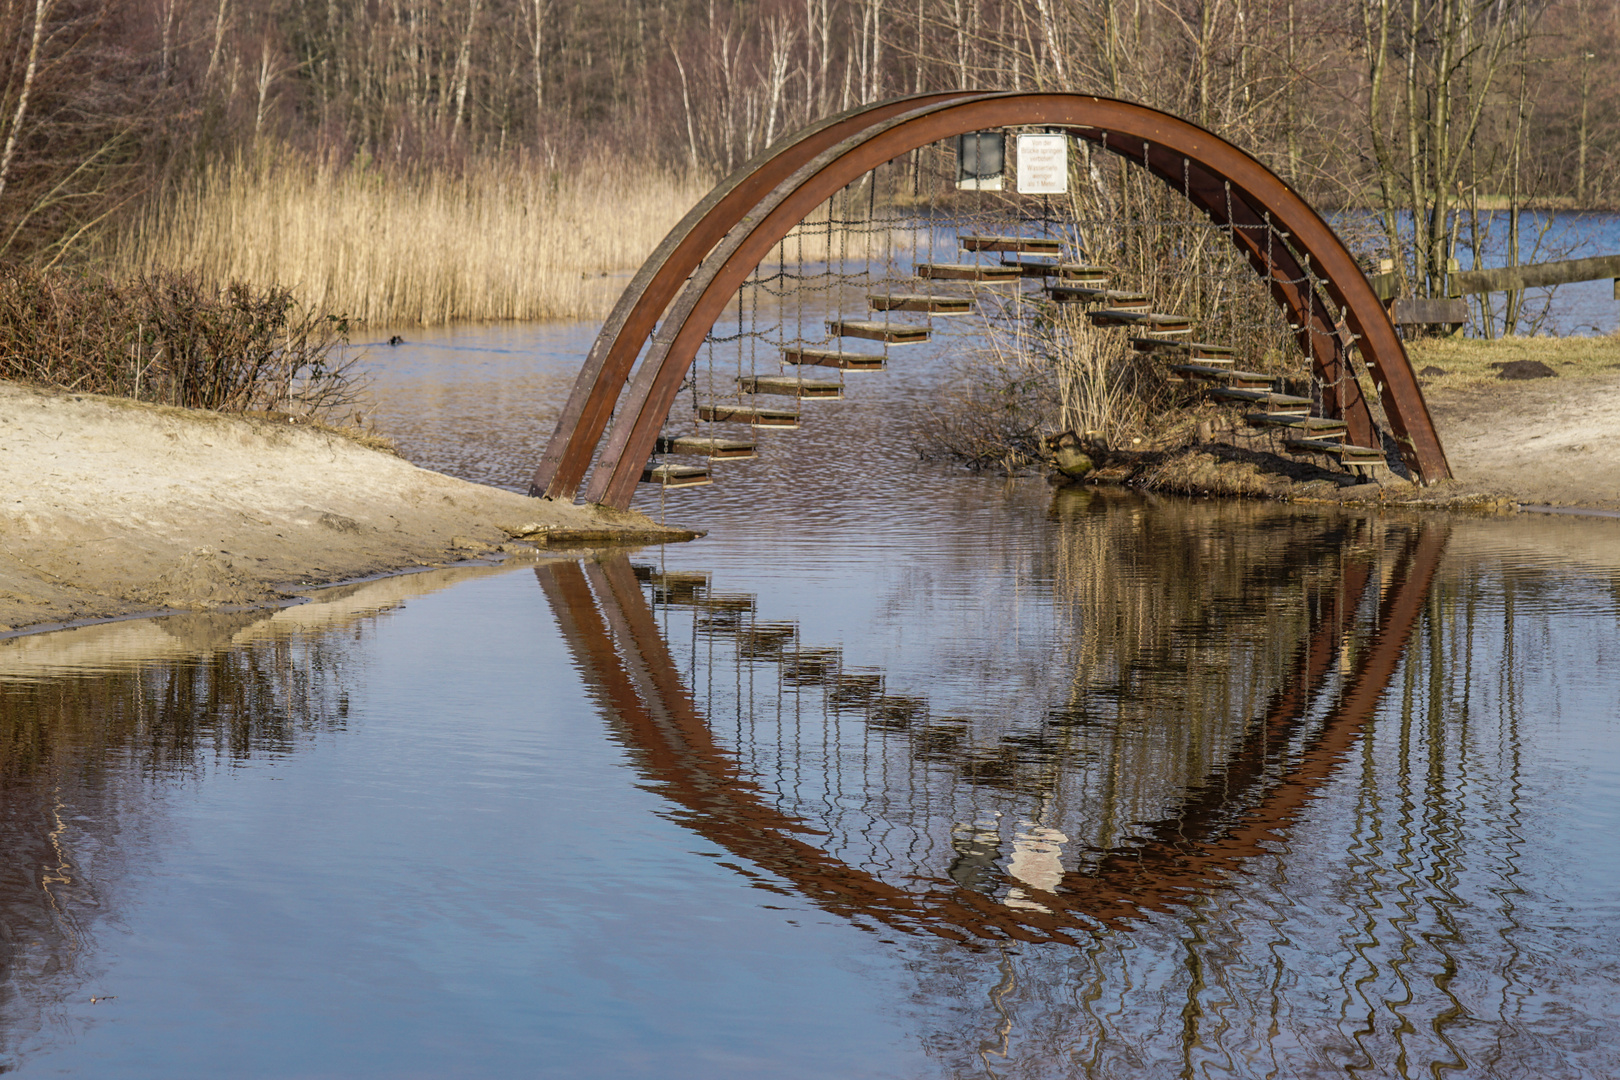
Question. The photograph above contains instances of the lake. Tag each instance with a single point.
(898, 772)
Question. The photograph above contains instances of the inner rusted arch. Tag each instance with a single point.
(1241, 181)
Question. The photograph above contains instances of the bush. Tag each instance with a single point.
(172, 339)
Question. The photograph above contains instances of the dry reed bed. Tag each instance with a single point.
(498, 240)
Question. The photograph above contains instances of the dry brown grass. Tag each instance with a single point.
(1467, 361)
(499, 240)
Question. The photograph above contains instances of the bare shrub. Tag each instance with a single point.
(172, 339)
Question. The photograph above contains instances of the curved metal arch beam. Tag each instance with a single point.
(1224, 182)
(600, 381)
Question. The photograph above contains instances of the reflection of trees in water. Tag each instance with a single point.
(1392, 931)
(85, 760)
(1177, 625)
(1271, 832)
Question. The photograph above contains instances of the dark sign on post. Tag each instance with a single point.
(981, 160)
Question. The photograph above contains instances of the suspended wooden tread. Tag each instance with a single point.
(933, 305)
(1192, 350)
(1247, 380)
(891, 333)
(1116, 299)
(790, 386)
(705, 446)
(1154, 322)
(834, 358)
(1269, 402)
(1017, 245)
(1316, 427)
(1075, 273)
(1342, 451)
(676, 476)
(748, 414)
(967, 272)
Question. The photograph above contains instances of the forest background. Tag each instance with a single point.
(428, 160)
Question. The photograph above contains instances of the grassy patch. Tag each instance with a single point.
(1467, 361)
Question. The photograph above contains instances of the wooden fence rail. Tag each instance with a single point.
(1535, 274)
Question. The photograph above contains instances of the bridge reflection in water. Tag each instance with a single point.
(875, 808)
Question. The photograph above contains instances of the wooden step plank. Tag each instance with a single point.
(705, 446)
(790, 386)
(1154, 322)
(1268, 402)
(1342, 451)
(676, 476)
(1016, 245)
(1115, 299)
(1192, 350)
(753, 415)
(933, 305)
(1083, 274)
(834, 358)
(891, 333)
(1316, 427)
(1072, 273)
(1247, 380)
(966, 272)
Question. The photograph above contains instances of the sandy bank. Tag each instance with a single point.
(1510, 442)
(110, 507)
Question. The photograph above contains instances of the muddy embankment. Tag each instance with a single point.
(1552, 440)
(110, 507)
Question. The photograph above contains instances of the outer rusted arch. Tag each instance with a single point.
(600, 381)
(1168, 145)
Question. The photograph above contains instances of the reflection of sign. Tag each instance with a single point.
(1043, 164)
(980, 159)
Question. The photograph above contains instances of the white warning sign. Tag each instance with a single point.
(1043, 164)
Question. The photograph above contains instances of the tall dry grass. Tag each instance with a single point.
(498, 239)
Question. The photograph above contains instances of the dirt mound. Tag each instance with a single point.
(1524, 369)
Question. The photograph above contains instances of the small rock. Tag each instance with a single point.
(1432, 371)
(1072, 462)
(1523, 369)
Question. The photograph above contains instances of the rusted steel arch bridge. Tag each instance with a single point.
(675, 299)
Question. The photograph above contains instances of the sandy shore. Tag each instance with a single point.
(110, 507)
(1542, 441)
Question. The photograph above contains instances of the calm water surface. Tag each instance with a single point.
(897, 773)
